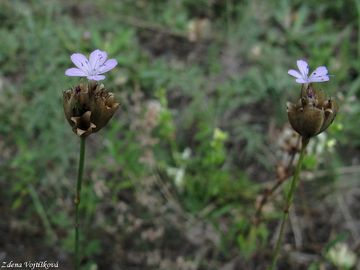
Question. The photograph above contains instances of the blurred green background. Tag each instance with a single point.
(173, 181)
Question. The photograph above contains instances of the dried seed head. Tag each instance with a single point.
(88, 107)
(313, 113)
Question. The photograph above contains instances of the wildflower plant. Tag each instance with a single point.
(88, 107)
(312, 114)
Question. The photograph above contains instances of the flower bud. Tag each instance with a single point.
(88, 107)
(313, 113)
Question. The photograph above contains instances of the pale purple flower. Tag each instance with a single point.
(92, 68)
(320, 74)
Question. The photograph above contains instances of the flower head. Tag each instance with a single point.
(320, 74)
(92, 68)
(313, 113)
(88, 107)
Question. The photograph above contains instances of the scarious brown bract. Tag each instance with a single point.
(88, 107)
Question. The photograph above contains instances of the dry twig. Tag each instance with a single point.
(282, 177)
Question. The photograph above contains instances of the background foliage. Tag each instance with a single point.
(172, 181)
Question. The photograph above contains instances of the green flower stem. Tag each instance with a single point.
(289, 199)
(77, 200)
(358, 11)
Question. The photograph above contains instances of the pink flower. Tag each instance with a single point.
(320, 74)
(92, 68)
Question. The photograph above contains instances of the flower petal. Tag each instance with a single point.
(303, 67)
(108, 65)
(97, 58)
(96, 77)
(323, 78)
(301, 80)
(75, 72)
(320, 71)
(294, 73)
(80, 61)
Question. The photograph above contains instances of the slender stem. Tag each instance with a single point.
(77, 200)
(267, 193)
(358, 11)
(289, 199)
